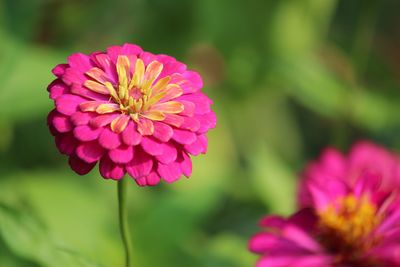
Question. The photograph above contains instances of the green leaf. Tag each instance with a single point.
(273, 180)
(28, 238)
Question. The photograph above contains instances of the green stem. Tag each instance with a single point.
(123, 220)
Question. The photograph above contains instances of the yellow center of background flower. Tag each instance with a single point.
(345, 227)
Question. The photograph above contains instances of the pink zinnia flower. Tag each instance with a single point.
(349, 216)
(132, 111)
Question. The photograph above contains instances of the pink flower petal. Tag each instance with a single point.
(81, 118)
(147, 57)
(61, 123)
(201, 101)
(130, 136)
(171, 66)
(90, 151)
(131, 49)
(168, 155)
(57, 88)
(174, 120)
(207, 121)
(111, 170)
(68, 104)
(151, 146)
(153, 178)
(59, 70)
(78, 89)
(185, 164)
(79, 166)
(104, 61)
(150, 180)
(195, 79)
(73, 76)
(188, 108)
(122, 154)
(103, 120)
(169, 172)
(140, 165)
(184, 137)
(190, 123)
(162, 131)
(145, 126)
(108, 139)
(119, 124)
(80, 62)
(113, 52)
(86, 133)
(197, 147)
(66, 143)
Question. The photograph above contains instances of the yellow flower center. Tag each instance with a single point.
(345, 227)
(137, 93)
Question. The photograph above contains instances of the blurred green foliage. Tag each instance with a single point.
(287, 78)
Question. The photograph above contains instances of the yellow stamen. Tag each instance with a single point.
(107, 108)
(96, 87)
(172, 107)
(138, 75)
(136, 95)
(154, 115)
(349, 222)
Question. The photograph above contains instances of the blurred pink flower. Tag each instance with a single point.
(131, 111)
(349, 215)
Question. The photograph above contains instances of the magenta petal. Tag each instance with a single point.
(90, 151)
(185, 164)
(57, 88)
(188, 109)
(169, 172)
(197, 147)
(80, 61)
(113, 52)
(131, 49)
(201, 101)
(195, 79)
(108, 139)
(86, 133)
(68, 104)
(61, 123)
(174, 120)
(79, 166)
(147, 57)
(169, 154)
(66, 143)
(73, 76)
(130, 136)
(140, 165)
(190, 123)
(153, 179)
(78, 89)
(184, 137)
(103, 120)
(142, 181)
(122, 154)
(207, 121)
(81, 118)
(59, 70)
(150, 180)
(111, 170)
(162, 131)
(151, 146)
(261, 242)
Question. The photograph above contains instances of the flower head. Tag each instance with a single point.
(132, 111)
(350, 218)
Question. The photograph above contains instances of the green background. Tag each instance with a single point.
(287, 79)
